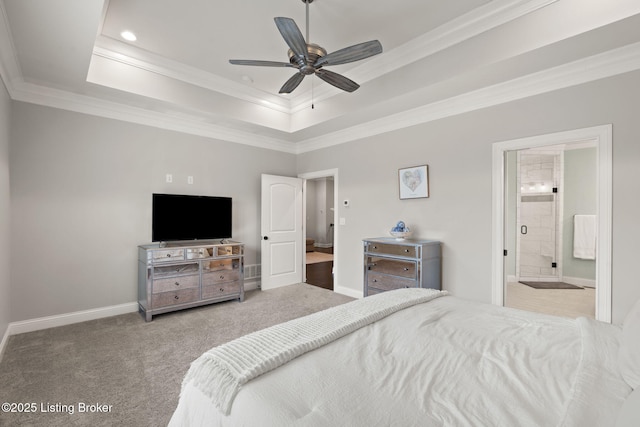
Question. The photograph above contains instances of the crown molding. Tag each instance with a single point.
(110, 49)
(467, 26)
(464, 27)
(596, 67)
(9, 65)
(611, 63)
(55, 98)
(608, 64)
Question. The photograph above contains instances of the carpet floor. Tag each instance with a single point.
(551, 285)
(132, 368)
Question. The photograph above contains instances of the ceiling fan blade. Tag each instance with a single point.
(292, 35)
(337, 80)
(260, 63)
(350, 54)
(292, 83)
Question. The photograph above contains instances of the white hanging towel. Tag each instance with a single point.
(584, 236)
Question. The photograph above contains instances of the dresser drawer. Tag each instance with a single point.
(175, 297)
(196, 253)
(166, 271)
(213, 291)
(392, 266)
(166, 255)
(221, 264)
(175, 283)
(408, 251)
(388, 283)
(228, 250)
(220, 276)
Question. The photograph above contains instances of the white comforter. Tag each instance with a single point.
(447, 362)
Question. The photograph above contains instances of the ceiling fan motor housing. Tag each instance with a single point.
(313, 53)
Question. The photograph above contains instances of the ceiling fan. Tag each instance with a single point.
(309, 58)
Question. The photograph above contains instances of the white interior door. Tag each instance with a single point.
(282, 243)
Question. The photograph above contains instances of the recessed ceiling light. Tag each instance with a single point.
(128, 35)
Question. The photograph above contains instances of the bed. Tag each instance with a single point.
(418, 357)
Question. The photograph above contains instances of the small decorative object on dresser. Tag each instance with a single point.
(392, 264)
(400, 231)
(181, 275)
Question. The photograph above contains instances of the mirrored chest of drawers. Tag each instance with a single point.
(183, 275)
(393, 264)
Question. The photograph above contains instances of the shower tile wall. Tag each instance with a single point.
(538, 212)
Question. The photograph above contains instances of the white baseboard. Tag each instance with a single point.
(347, 291)
(32, 325)
(3, 343)
(40, 323)
(252, 285)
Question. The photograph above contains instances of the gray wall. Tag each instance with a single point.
(458, 152)
(5, 115)
(81, 202)
(580, 198)
(81, 186)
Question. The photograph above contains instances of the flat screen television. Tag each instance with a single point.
(184, 217)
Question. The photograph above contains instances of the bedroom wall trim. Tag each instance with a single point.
(40, 323)
(3, 343)
(596, 67)
(347, 291)
(602, 136)
(465, 27)
(611, 63)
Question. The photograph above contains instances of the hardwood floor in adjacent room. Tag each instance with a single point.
(558, 302)
(320, 269)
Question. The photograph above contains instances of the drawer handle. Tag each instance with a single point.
(177, 297)
(375, 280)
(221, 289)
(406, 250)
(406, 269)
(168, 255)
(375, 247)
(177, 283)
(221, 277)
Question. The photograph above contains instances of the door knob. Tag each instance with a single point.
(266, 237)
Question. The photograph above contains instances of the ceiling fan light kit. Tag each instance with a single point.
(309, 58)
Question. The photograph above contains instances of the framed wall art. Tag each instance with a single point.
(414, 182)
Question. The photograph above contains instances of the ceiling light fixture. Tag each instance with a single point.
(129, 36)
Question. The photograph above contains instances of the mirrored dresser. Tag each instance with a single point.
(180, 275)
(390, 264)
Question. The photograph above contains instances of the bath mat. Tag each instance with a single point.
(551, 285)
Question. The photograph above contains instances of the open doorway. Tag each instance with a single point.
(550, 231)
(320, 231)
(601, 136)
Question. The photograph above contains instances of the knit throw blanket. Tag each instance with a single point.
(220, 372)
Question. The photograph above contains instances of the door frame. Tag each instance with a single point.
(315, 175)
(602, 136)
